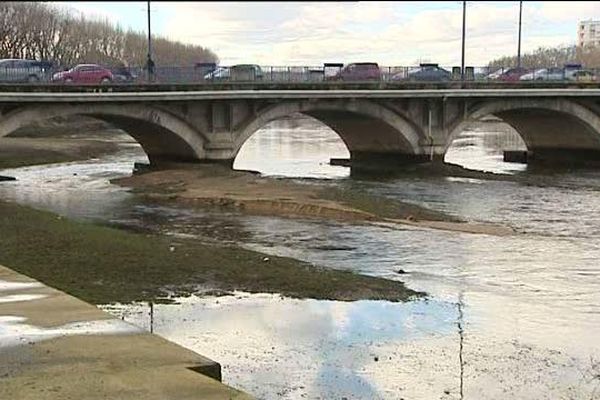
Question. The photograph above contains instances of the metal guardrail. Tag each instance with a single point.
(38, 75)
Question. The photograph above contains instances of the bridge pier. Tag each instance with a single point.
(382, 161)
(564, 156)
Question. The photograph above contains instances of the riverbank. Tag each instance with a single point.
(105, 265)
(216, 186)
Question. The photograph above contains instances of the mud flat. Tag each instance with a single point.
(211, 185)
(105, 265)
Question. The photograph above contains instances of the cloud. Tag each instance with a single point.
(391, 33)
(90, 10)
(572, 11)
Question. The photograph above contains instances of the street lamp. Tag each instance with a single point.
(462, 63)
(519, 48)
(149, 62)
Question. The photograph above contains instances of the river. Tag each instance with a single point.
(506, 317)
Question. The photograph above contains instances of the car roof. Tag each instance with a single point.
(516, 69)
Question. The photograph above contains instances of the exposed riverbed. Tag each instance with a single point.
(507, 317)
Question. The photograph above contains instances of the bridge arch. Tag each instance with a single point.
(368, 129)
(163, 136)
(551, 128)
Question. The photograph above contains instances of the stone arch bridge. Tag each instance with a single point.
(379, 127)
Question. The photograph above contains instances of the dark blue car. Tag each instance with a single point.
(426, 73)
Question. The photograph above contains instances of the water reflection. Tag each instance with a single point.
(482, 147)
(79, 189)
(324, 347)
(297, 147)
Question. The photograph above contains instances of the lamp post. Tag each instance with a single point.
(462, 63)
(519, 48)
(149, 62)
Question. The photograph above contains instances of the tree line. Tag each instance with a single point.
(553, 57)
(40, 31)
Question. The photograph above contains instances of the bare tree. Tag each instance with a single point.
(553, 57)
(41, 31)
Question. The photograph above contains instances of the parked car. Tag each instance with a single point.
(15, 70)
(219, 74)
(331, 71)
(583, 75)
(544, 74)
(571, 68)
(513, 74)
(85, 74)
(204, 68)
(495, 75)
(426, 73)
(362, 71)
(122, 74)
(246, 72)
(240, 72)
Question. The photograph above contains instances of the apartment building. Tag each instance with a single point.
(588, 33)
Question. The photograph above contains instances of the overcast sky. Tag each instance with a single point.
(391, 33)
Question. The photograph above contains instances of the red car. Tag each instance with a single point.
(513, 74)
(84, 73)
(365, 71)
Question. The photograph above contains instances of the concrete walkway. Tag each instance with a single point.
(54, 346)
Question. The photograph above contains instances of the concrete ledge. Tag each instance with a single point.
(257, 93)
(564, 157)
(54, 346)
(515, 156)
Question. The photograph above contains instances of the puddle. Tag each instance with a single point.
(8, 285)
(21, 297)
(15, 331)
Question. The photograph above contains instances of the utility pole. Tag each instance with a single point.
(462, 63)
(519, 48)
(149, 62)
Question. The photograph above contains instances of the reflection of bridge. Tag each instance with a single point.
(379, 127)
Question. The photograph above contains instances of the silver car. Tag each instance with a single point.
(219, 74)
(544, 74)
(15, 70)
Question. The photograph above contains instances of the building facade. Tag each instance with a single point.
(588, 33)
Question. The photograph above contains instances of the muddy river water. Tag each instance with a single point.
(513, 317)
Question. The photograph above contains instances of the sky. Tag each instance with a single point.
(390, 33)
